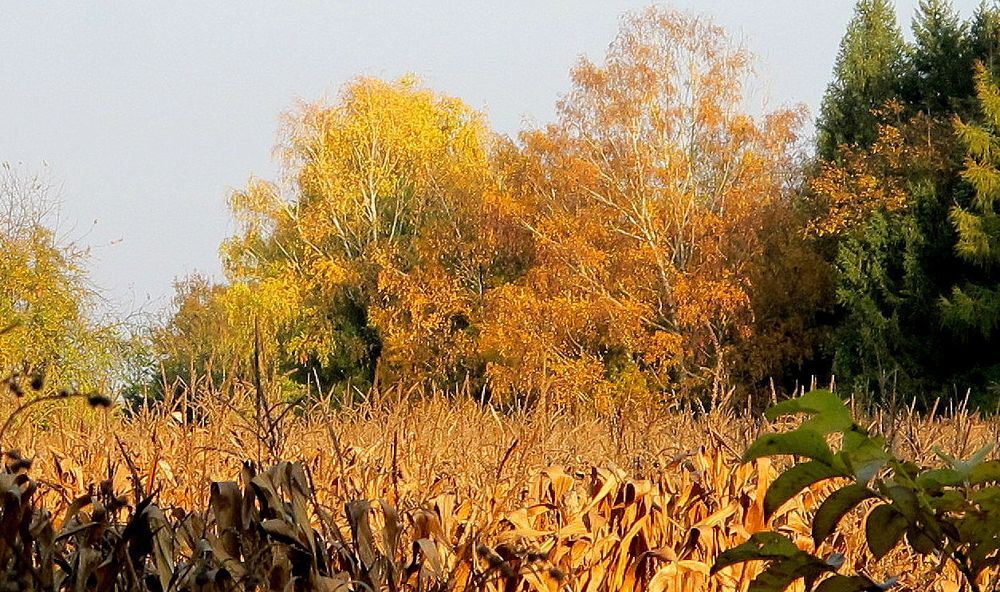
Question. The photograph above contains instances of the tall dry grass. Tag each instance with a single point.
(423, 491)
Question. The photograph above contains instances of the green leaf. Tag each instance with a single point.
(966, 466)
(985, 472)
(800, 442)
(779, 575)
(988, 498)
(883, 529)
(793, 481)
(829, 412)
(762, 546)
(920, 541)
(840, 583)
(947, 501)
(866, 458)
(834, 507)
(937, 479)
(904, 501)
(854, 436)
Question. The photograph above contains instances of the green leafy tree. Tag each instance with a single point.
(887, 207)
(867, 74)
(887, 202)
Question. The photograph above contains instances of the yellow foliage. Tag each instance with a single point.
(645, 203)
(605, 256)
(46, 302)
(866, 182)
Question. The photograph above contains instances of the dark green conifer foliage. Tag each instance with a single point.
(917, 288)
(941, 69)
(984, 35)
(867, 74)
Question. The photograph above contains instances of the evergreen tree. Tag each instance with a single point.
(941, 66)
(984, 35)
(975, 304)
(894, 261)
(867, 74)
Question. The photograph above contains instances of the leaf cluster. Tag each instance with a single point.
(950, 512)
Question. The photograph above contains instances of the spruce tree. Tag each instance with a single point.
(868, 73)
(984, 35)
(941, 69)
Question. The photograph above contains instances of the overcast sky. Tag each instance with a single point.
(146, 114)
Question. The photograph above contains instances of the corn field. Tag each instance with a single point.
(415, 491)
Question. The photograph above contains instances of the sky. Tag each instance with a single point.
(145, 115)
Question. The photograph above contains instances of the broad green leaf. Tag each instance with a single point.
(920, 541)
(793, 481)
(762, 546)
(988, 498)
(908, 469)
(975, 528)
(936, 479)
(965, 467)
(840, 583)
(834, 507)
(800, 442)
(854, 436)
(947, 501)
(904, 500)
(828, 411)
(779, 575)
(985, 472)
(866, 458)
(883, 529)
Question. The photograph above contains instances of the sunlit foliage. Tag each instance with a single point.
(46, 301)
(645, 202)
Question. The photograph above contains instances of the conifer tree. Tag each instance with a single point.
(984, 35)
(941, 68)
(976, 304)
(867, 74)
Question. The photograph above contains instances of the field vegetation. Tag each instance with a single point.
(418, 490)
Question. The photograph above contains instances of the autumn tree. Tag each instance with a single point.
(47, 304)
(194, 347)
(645, 202)
(378, 261)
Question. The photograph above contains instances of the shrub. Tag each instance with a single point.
(950, 511)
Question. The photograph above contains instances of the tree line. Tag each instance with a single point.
(663, 239)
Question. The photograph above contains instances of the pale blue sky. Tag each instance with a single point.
(148, 113)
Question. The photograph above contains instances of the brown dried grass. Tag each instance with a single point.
(422, 491)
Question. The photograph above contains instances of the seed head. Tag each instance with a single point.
(95, 400)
